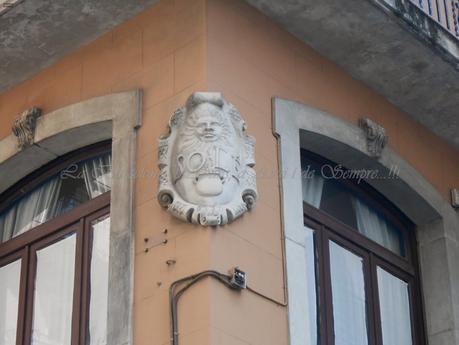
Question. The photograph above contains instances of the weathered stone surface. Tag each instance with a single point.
(34, 34)
(376, 136)
(206, 162)
(24, 127)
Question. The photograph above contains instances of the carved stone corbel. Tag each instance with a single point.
(206, 162)
(455, 198)
(376, 137)
(24, 127)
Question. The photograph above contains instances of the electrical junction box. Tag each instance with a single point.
(238, 279)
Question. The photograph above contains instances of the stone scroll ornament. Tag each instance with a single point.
(24, 127)
(206, 162)
(376, 137)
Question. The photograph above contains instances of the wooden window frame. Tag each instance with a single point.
(327, 228)
(78, 221)
(33, 180)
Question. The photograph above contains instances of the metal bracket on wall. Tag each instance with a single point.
(152, 242)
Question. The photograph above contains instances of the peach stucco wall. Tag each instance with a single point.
(171, 50)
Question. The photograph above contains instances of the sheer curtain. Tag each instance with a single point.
(312, 189)
(9, 301)
(42, 204)
(97, 175)
(97, 334)
(32, 210)
(348, 297)
(53, 293)
(372, 225)
(395, 309)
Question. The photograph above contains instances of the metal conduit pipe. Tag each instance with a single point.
(175, 296)
(230, 281)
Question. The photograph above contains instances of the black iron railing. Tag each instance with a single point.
(444, 12)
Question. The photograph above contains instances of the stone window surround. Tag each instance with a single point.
(297, 126)
(116, 117)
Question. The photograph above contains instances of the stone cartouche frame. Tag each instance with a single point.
(206, 162)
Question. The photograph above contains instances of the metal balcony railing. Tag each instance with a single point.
(444, 12)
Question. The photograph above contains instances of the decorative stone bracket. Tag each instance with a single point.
(376, 137)
(455, 198)
(206, 162)
(24, 127)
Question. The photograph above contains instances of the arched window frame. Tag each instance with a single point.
(77, 221)
(297, 126)
(406, 267)
(115, 117)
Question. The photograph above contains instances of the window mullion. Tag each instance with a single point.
(77, 291)
(320, 283)
(415, 287)
(326, 308)
(87, 236)
(22, 296)
(31, 274)
(416, 314)
(374, 300)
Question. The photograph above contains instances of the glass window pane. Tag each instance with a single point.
(373, 225)
(53, 295)
(31, 210)
(337, 201)
(97, 174)
(73, 186)
(312, 321)
(9, 301)
(324, 189)
(312, 185)
(97, 334)
(395, 309)
(348, 296)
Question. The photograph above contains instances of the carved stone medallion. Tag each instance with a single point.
(376, 137)
(206, 162)
(24, 127)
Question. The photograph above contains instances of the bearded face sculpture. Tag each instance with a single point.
(206, 162)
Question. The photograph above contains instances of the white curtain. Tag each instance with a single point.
(99, 282)
(312, 189)
(9, 301)
(375, 227)
(97, 175)
(395, 309)
(348, 296)
(34, 209)
(53, 294)
(42, 204)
